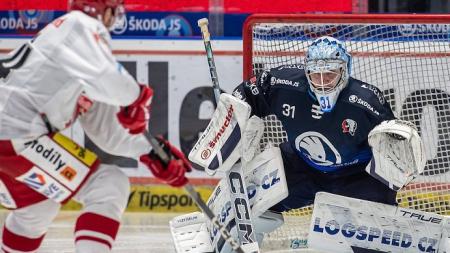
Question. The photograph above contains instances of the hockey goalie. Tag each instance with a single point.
(340, 137)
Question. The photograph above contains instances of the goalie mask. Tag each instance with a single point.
(327, 67)
(110, 12)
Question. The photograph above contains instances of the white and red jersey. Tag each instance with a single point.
(59, 73)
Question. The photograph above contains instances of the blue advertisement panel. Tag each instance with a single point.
(137, 24)
(27, 22)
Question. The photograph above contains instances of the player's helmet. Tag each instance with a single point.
(97, 8)
(327, 68)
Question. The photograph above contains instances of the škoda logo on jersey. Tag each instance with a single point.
(357, 100)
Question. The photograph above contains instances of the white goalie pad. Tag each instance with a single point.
(251, 137)
(398, 153)
(189, 233)
(340, 223)
(266, 180)
(219, 147)
(266, 186)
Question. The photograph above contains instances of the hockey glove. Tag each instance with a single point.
(173, 173)
(135, 117)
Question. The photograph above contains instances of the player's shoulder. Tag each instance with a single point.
(289, 76)
(75, 25)
(364, 95)
(288, 70)
(80, 21)
(70, 21)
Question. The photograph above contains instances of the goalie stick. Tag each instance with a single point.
(196, 197)
(239, 197)
(203, 24)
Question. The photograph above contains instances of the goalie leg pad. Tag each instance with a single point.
(266, 185)
(266, 180)
(340, 223)
(189, 233)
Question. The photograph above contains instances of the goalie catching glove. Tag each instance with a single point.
(135, 117)
(398, 153)
(173, 173)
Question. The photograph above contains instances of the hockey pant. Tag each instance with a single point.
(104, 197)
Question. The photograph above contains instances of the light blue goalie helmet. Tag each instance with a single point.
(327, 68)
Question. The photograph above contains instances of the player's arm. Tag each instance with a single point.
(104, 129)
(398, 152)
(102, 126)
(80, 46)
(255, 92)
(82, 49)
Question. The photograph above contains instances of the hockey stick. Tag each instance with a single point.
(196, 197)
(203, 24)
(244, 224)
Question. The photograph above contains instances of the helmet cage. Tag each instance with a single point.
(323, 67)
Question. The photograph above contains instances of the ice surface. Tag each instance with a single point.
(139, 233)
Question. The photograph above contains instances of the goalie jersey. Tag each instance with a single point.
(326, 141)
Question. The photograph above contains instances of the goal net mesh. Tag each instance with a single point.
(409, 62)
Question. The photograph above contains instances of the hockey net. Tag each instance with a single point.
(406, 56)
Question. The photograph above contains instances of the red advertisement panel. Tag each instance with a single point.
(286, 6)
(230, 6)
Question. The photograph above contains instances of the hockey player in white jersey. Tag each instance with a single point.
(67, 73)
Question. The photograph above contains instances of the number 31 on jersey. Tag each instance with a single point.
(288, 110)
